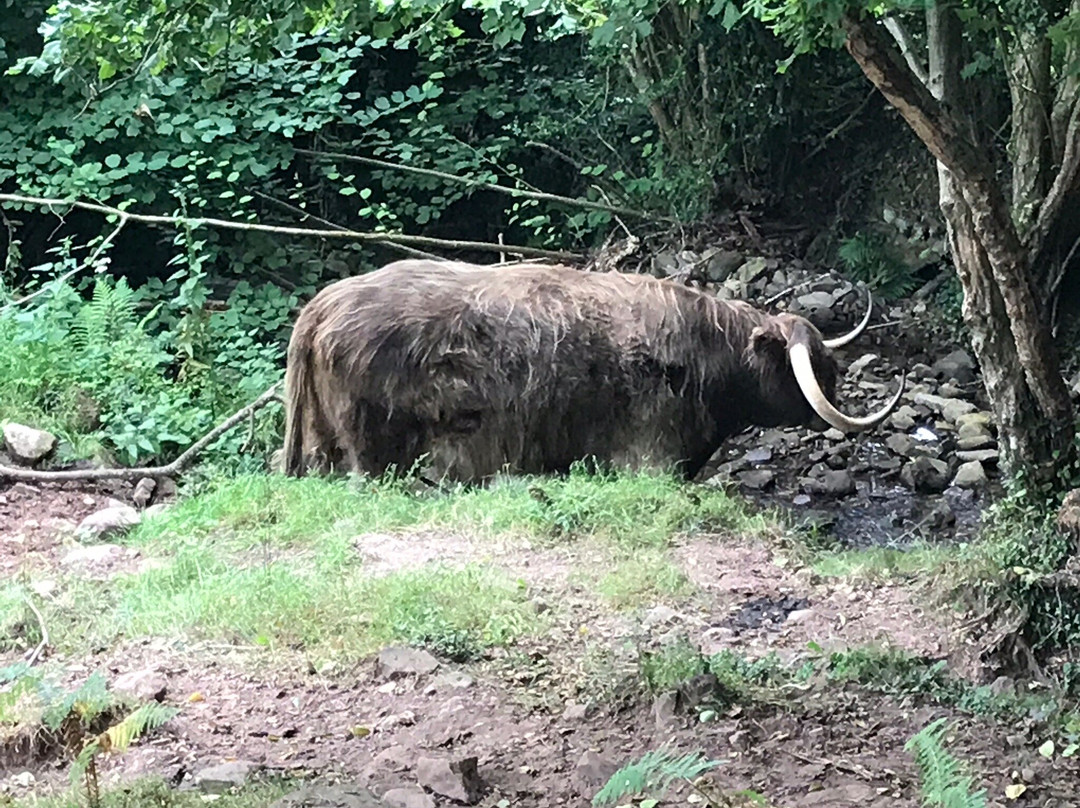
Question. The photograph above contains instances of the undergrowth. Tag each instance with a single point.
(869, 257)
(156, 793)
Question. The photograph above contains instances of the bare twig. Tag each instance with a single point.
(88, 262)
(840, 127)
(174, 468)
(502, 189)
(341, 234)
(41, 646)
(907, 48)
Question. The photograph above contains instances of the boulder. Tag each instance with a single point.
(970, 475)
(756, 479)
(27, 445)
(142, 686)
(957, 366)
(396, 661)
(721, 264)
(108, 522)
(925, 475)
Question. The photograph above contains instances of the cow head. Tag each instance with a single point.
(798, 374)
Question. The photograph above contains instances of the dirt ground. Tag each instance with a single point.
(517, 711)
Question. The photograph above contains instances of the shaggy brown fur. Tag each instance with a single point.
(530, 368)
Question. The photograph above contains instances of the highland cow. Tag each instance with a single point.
(527, 368)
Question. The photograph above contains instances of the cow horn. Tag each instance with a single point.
(808, 383)
(838, 342)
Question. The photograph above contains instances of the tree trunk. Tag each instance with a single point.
(1009, 335)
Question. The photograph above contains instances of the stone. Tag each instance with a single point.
(957, 366)
(799, 615)
(857, 367)
(408, 797)
(155, 510)
(980, 418)
(761, 454)
(224, 777)
(973, 435)
(817, 306)
(970, 475)
(982, 455)
(721, 264)
(93, 555)
(903, 418)
(396, 661)
(925, 475)
(949, 408)
(750, 271)
(592, 772)
(575, 712)
(660, 616)
(941, 516)
(697, 690)
(453, 680)
(108, 522)
(322, 796)
(665, 264)
(665, 709)
(144, 685)
(903, 445)
(27, 445)
(456, 779)
(831, 483)
(756, 479)
(144, 492)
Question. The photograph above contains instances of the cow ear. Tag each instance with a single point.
(767, 344)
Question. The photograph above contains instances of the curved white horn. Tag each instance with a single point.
(838, 342)
(808, 383)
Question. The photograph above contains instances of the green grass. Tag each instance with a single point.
(882, 562)
(641, 579)
(155, 793)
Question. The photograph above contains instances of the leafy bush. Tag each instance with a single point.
(870, 258)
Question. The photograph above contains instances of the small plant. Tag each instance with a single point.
(868, 257)
(653, 773)
(944, 782)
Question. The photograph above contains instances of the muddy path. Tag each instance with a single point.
(548, 719)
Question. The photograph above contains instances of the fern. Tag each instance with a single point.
(943, 781)
(653, 772)
(120, 736)
(108, 318)
(868, 257)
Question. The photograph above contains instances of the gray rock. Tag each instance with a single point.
(408, 797)
(831, 483)
(751, 270)
(27, 445)
(455, 779)
(453, 680)
(970, 475)
(660, 616)
(983, 419)
(925, 475)
(108, 522)
(575, 712)
(857, 367)
(721, 264)
(756, 479)
(903, 418)
(903, 445)
(143, 686)
(592, 772)
(93, 555)
(982, 455)
(340, 796)
(973, 435)
(949, 408)
(957, 366)
(761, 454)
(396, 661)
(665, 264)
(224, 777)
(144, 492)
(665, 710)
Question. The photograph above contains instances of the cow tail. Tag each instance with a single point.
(299, 397)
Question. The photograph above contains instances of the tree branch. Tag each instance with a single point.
(1064, 183)
(488, 186)
(176, 467)
(907, 48)
(342, 234)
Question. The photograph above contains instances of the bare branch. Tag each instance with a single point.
(907, 48)
(488, 186)
(176, 467)
(88, 262)
(1064, 183)
(342, 234)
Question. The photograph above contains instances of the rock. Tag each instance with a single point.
(697, 690)
(721, 264)
(762, 454)
(155, 510)
(831, 483)
(93, 555)
(857, 367)
(108, 522)
(340, 796)
(756, 479)
(24, 779)
(799, 615)
(144, 492)
(453, 680)
(817, 306)
(660, 616)
(903, 445)
(575, 712)
(750, 271)
(143, 686)
(455, 779)
(223, 777)
(408, 797)
(982, 455)
(665, 709)
(941, 516)
(27, 445)
(665, 264)
(973, 435)
(957, 366)
(980, 418)
(396, 661)
(925, 475)
(949, 408)
(592, 772)
(903, 418)
(970, 475)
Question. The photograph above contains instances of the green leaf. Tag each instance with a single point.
(113, 160)
(106, 69)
